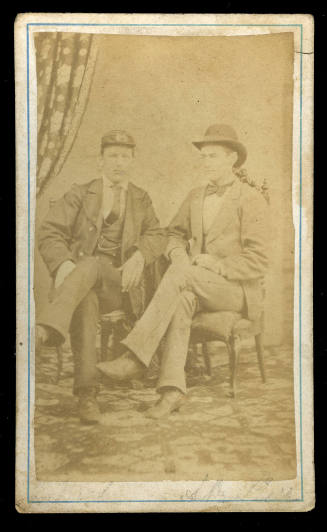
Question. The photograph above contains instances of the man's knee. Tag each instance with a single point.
(199, 276)
(89, 303)
(188, 300)
(177, 275)
(88, 269)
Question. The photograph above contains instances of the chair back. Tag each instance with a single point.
(244, 178)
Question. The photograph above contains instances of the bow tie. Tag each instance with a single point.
(212, 188)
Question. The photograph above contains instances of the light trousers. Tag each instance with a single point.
(169, 316)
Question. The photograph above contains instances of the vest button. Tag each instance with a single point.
(91, 228)
(81, 253)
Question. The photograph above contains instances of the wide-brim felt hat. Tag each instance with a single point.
(226, 136)
(117, 137)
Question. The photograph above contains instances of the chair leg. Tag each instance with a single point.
(60, 357)
(190, 359)
(195, 360)
(233, 347)
(260, 355)
(207, 360)
(115, 339)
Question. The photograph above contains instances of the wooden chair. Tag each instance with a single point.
(111, 326)
(230, 328)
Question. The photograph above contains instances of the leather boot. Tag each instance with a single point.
(126, 367)
(170, 401)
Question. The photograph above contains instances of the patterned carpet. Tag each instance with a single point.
(251, 437)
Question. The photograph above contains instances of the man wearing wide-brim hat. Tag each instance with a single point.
(97, 242)
(217, 249)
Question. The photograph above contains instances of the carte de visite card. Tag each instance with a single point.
(164, 263)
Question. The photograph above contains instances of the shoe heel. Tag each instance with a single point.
(178, 406)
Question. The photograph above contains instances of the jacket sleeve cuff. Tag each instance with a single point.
(176, 253)
(138, 246)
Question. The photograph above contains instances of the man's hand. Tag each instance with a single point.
(209, 262)
(180, 264)
(132, 271)
(178, 256)
(179, 273)
(63, 271)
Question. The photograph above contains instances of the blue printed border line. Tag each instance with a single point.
(301, 499)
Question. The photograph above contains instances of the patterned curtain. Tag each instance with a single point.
(64, 67)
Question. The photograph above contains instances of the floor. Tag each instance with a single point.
(213, 436)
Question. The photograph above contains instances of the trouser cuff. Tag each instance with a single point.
(140, 356)
(181, 386)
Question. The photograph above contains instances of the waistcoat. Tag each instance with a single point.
(110, 238)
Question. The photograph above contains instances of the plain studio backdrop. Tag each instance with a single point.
(165, 91)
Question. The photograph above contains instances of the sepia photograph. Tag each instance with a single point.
(164, 249)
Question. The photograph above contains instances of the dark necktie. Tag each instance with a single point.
(115, 211)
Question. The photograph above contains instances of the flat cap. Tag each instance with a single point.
(117, 137)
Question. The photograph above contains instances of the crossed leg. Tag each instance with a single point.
(205, 290)
(170, 314)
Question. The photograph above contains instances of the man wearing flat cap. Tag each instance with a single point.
(217, 249)
(96, 242)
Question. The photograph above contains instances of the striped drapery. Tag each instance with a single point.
(64, 68)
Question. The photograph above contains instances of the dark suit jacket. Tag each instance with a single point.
(237, 237)
(73, 224)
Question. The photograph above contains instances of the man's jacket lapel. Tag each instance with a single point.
(132, 220)
(196, 209)
(92, 203)
(227, 212)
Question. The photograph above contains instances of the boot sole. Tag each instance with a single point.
(118, 378)
(174, 409)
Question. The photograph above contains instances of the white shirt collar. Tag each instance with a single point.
(108, 184)
(229, 180)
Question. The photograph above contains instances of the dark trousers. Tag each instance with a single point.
(94, 284)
